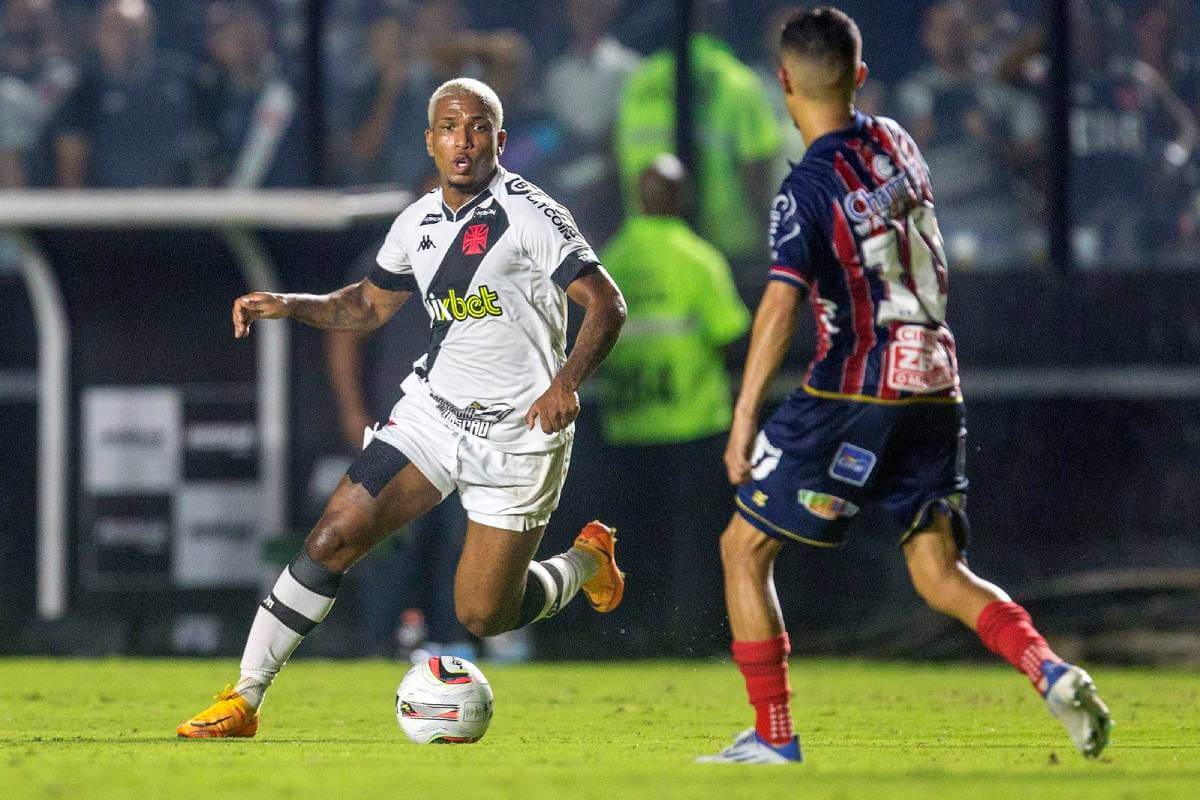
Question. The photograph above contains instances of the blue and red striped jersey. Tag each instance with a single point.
(854, 226)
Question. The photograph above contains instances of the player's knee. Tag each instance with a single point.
(743, 546)
(331, 543)
(483, 620)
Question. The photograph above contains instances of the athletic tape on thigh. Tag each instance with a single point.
(376, 466)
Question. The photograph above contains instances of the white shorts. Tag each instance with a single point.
(513, 491)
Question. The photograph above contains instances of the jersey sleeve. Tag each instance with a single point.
(722, 314)
(553, 242)
(393, 267)
(791, 237)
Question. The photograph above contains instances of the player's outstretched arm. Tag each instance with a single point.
(774, 325)
(361, 306)
(604, 315)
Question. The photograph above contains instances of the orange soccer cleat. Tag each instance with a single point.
(606, 588)
(230, 716)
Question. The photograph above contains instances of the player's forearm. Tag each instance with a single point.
(347, 309)
(774, 326)
(601, 326)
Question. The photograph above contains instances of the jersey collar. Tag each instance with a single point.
(833, 138)
(484, 194)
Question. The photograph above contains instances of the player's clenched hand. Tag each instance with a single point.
(554, 410)
(256, 305)
(738, 449)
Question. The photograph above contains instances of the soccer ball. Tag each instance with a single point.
(444, 700)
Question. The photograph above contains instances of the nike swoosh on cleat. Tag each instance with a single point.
(209, 724)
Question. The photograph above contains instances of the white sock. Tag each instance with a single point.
(561, 577)
(290, 612)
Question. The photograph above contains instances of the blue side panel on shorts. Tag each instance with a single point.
(817, 462)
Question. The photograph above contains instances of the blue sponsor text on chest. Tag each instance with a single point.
(895, 198)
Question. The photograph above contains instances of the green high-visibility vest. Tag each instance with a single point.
(734, 124)
(665, 380)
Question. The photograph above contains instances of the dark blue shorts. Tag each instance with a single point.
(817, 462)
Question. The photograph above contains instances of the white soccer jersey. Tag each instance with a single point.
(493, 276)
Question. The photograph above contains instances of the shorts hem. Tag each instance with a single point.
(953, 400)
(518, 523)
(774, 531)
(925, 511)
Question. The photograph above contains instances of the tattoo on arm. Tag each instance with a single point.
(351, 308)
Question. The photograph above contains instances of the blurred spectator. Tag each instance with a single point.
(35, 77)
(535, 140)
(666, 408)
(735, 139)
(378, 103)
(378, 128)
(1167, 38)
(1131, 140)
(245, 109)
(583, 89)
(125, 123)
(978, 134)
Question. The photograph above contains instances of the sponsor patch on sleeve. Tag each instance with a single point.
(852, 464)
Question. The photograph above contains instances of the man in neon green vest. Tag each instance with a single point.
(666, 408)
(735, 139)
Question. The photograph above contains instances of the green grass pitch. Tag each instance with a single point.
(574, 731)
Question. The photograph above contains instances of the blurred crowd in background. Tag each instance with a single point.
(246, 94)
(220, 93)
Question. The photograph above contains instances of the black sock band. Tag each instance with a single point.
(288, 616)
(533, 604)
(534, 600)
(313, 575)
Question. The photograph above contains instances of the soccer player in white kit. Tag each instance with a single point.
(488, 410)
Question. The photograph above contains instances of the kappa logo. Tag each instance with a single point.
(430, 219)
(475, 240)
(426, 244)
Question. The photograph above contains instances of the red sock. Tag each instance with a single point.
(765, 668)
(1006, 629)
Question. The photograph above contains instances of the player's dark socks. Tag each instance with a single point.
(1006, 629)
(765, 669)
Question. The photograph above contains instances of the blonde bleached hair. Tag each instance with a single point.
(474, 88)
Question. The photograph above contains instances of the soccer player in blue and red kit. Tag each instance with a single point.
(879, 418)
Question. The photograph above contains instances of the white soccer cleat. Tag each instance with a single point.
(1072, 699)
(750, 748)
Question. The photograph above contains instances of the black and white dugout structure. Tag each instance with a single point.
(162, 444)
